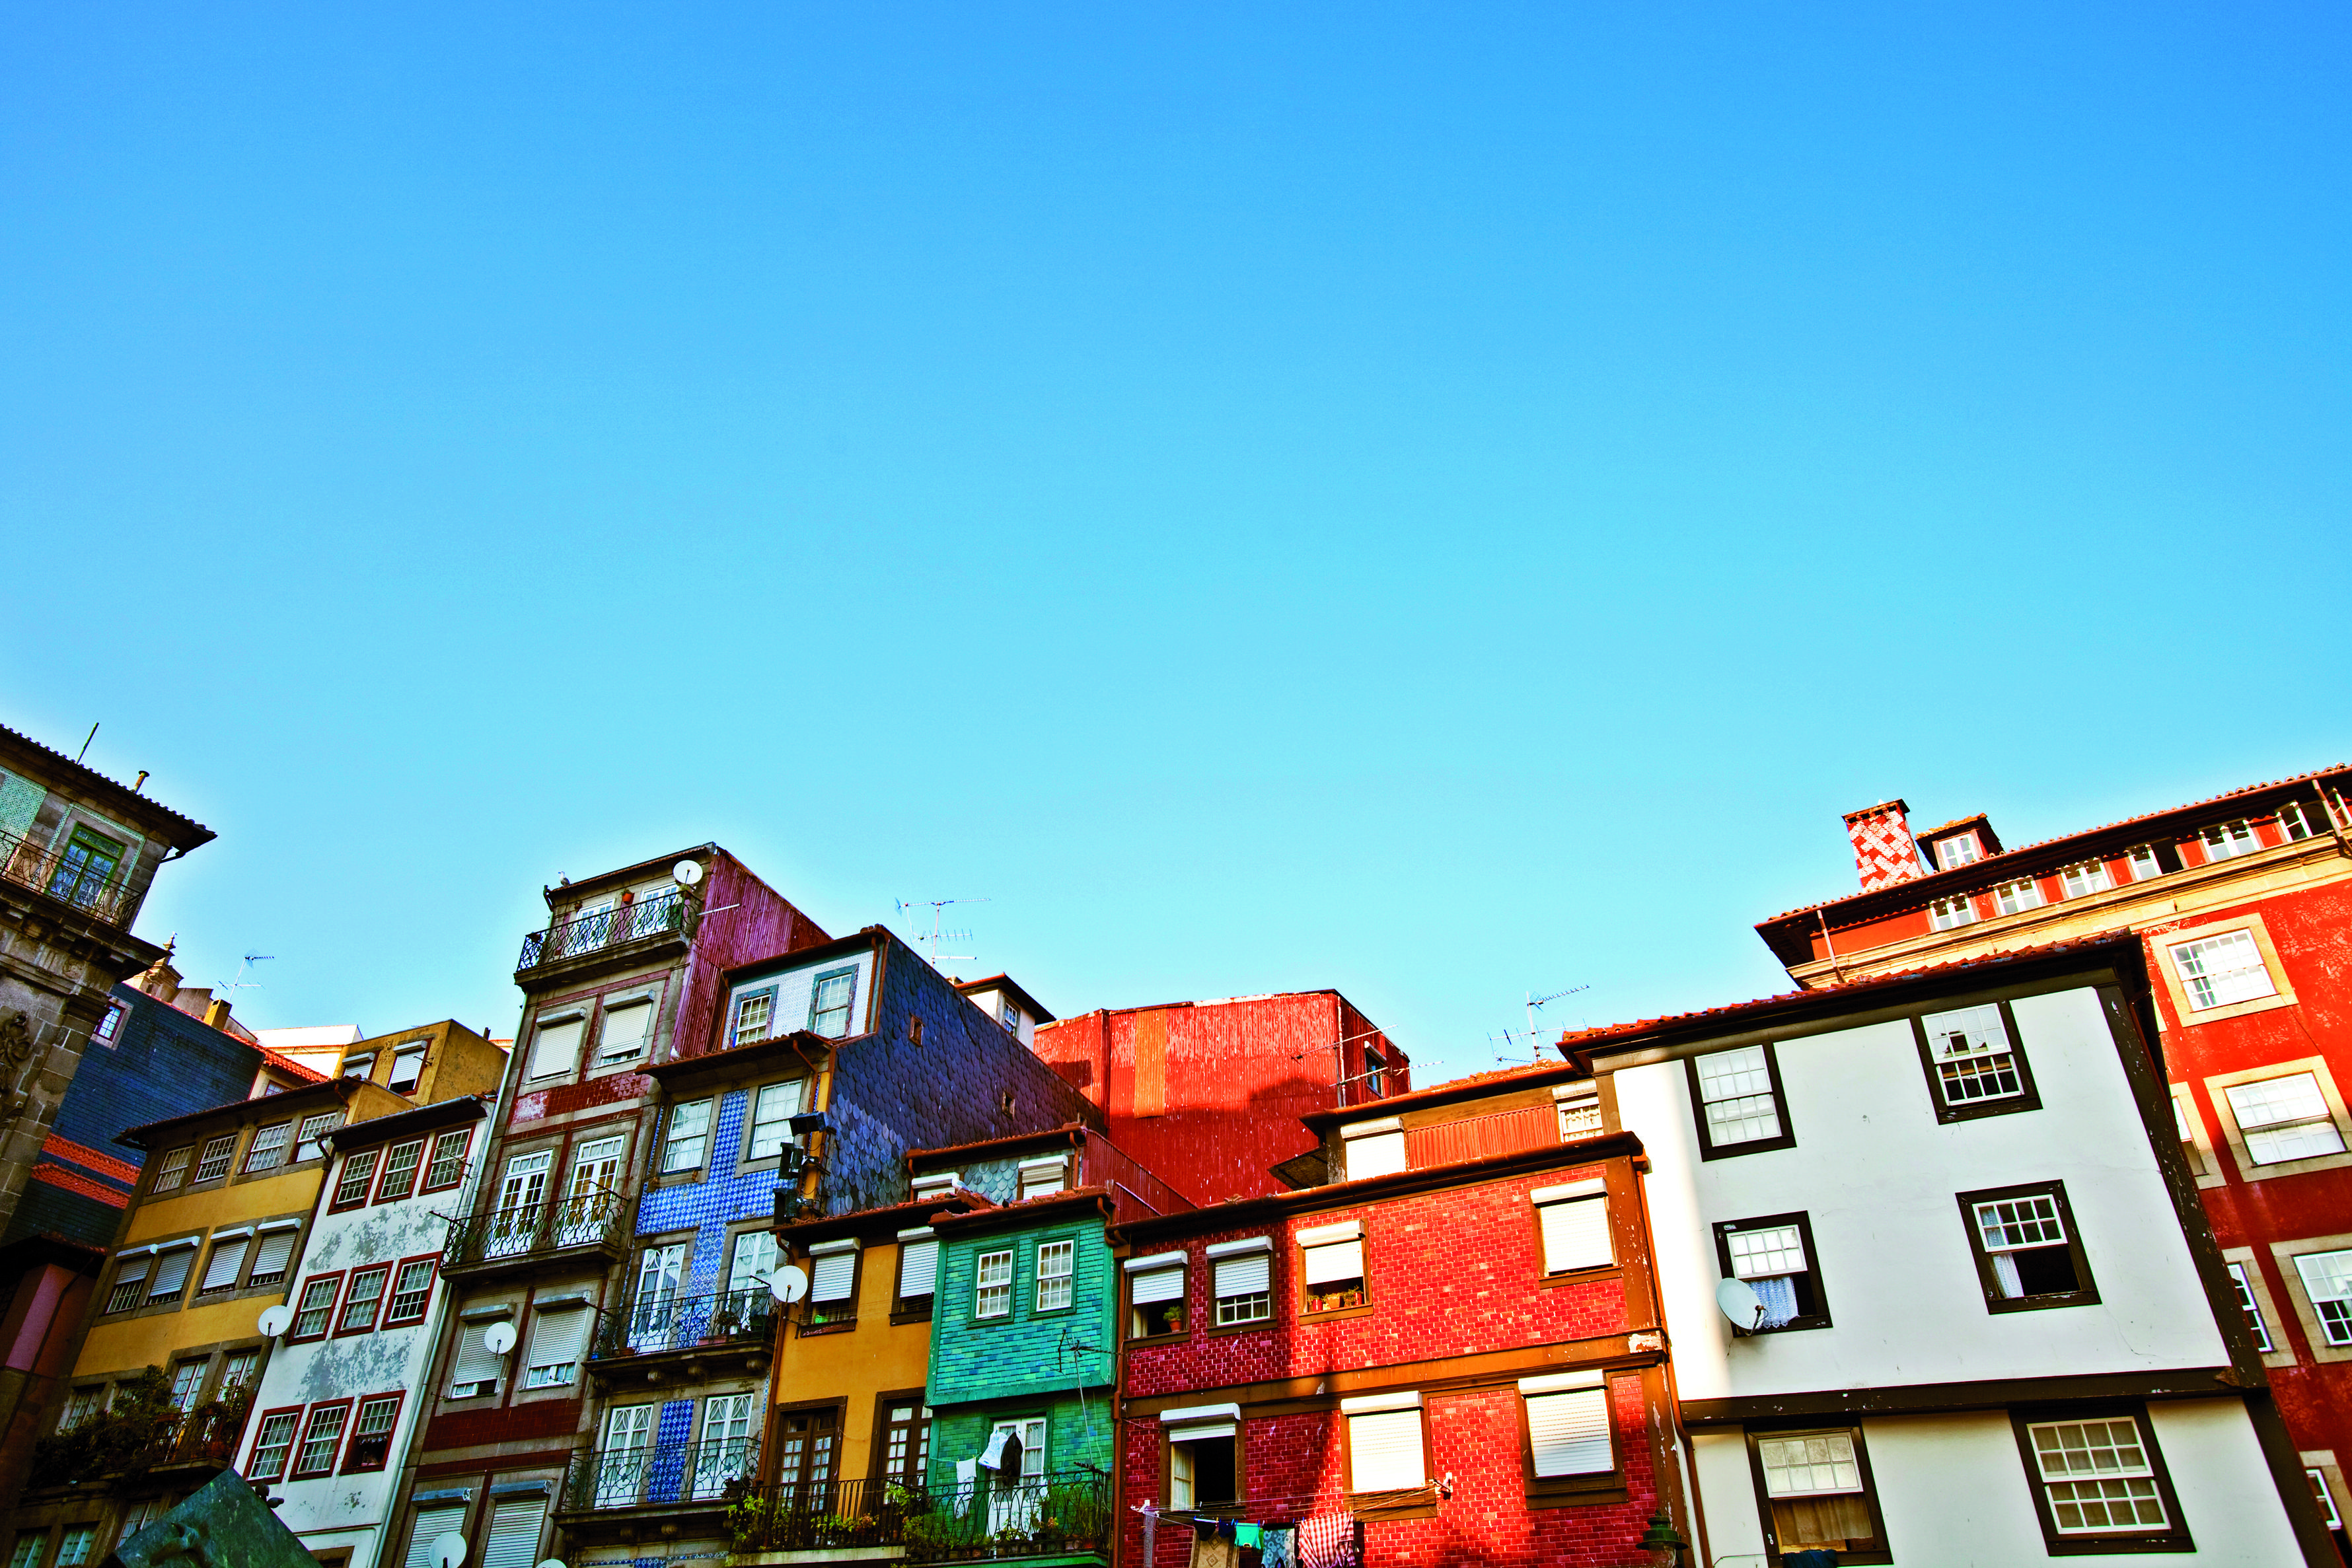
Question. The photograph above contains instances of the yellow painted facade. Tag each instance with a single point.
(852, 1368)
(457, 1062)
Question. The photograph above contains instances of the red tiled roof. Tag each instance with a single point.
(1975, 868)
(288, 1064)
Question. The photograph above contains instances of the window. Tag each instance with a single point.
(236, 1368)
(1204, 1455)
(1974, 1066)
(754, 1261)
(321, 1437)
(2228, 840)
(1579, 1105)
(359, 1175)
(272, 1255)
(410, 1292)
(364, 1300)
(1816, 1492)
(2099, 1477)
(174, 1170)
(1332, 1268)
(2251, 1308)
(516, 1524)
(2220, 970)
(626, 1025)
(2327, 1280)
(905, 1439)
(130, 1283)
(1570, 1443)
(1738, 1095)
(477, 1371)
(171, 1271)
(30, 1544)
(311, 1142)
(272, 1441)
(1373, 1148)
(2028, 1255)
(829, 1003)
(2016, 897)
(993, 1285)
(1007, 1014)
(2295, 821)
(2145, 866)
(751, 1019)
(360, 1064)
(1961, 909)
(832, 1281)
(80, 1405)
(1375, 1065)
(226, 1263)
(555, 1047)
(556, 1338)
(1056, 1262)
(689, 1136)
(315, 1307)
(109, 1026)
(1957, 851)
(1384, 1447)
(2319, 1494)
(1774, 1255)
(400, 1171)
(408, 1068)
(2284, 1119)
(372, 1433)
(213, 1164)
(1043, 1178)
(773, 1107)
(725, 1452)
(1155, 1295)
(84, 870)
(1573, 1226)
(1244, 1279)
(73, 1546)
(449, 1151)
(187, 1376)
(2082, 881)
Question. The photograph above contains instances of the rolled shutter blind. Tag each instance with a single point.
(437, 1520)
(475, 1363)
(918, 1267)
(1247, 1275)
(1335, 1261)
(831, 1276)
(625, 1027)
(514, 1533)
(1576, 1235)
(556, 1337)
(172, 1272)
(133, 1272)
(1569, 1432)
(1380, 1154)
(277, 1249)
(1159, 1285)
(556, 1047)
(225, 1263)
(1384, 1450)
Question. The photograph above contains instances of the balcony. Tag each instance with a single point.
(1062, 1515)
(694, 1335)
(661, 1474)
(617, 929)
(69, 876)
(535, 1233)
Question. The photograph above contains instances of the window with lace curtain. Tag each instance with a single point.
(1815, 1491)
(2028, 1253)
(1773, 1255)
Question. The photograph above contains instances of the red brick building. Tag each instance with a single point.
(2243, 904)
(1444, 1347)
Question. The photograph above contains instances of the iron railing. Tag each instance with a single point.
(671, 1322)
(1067, 1512)
(532, 1229)
(660, 1474)
(65, 872)
(615, 927)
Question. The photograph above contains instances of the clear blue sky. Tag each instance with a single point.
(1436, 501)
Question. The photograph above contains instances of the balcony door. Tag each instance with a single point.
(806, 1444)
(653, 1319)
(516, 1218)
(1018, 1495)
(627, 1450)
(725, 1451)
(588, 1202)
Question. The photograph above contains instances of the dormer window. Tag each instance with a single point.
(358, 1066)
(1960, 849)
(1008, 1015)
(1043, 1178)
(407, 1068)
(934, 1189)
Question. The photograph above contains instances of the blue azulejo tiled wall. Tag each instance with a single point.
(708, 1207)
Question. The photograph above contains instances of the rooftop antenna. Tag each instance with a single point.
(938, 933)
(1534, 1001)
(84, 744)
(241, 983)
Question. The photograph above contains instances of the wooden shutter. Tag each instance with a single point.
(1569, 1432)
(436, 1520)
(226, 1264)
(1575, 1220)
(1335, 1261)
(918, 1267)
(514, 1533)
(832, 1276)
(1165, 1284)
(1247, 1275)
(1384, 1451)
(555, 1048)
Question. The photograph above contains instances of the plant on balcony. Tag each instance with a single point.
(141, 1428)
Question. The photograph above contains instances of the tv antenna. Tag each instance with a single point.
(1535, 1040)
(938, 933)
(249, 960)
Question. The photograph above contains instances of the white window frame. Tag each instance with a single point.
(1959, 850)
(694, 1136)
(1057, 1265)
(2097, 1487)
(1383, 1419)
(740, 1027)
(2018, 896)
(1736, 1082)
(2145, 866)
(1235, 1308)
(2189, 1004)
(1951, 914)
(2232, 840)
(2081, 880)
(991, 1285)
(2308, 1115)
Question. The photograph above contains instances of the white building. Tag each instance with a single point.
(339, 1396)
(1986, 1323)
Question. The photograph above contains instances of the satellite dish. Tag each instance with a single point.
(550, 1562)
(448, 1550)
(686, 874)
(275, 1319)
(1740, 1303)
(498, 1338)
(789, 1283)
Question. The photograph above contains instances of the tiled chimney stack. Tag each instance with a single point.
(1885, 853)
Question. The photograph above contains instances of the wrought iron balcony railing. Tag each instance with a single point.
(672, 1321)
(531, 1229)
(1067, 1512)
(70, 873)
(615, 927)
(661, 1474)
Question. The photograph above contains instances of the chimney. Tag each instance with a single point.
(1883, 850)
(216, 1014)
